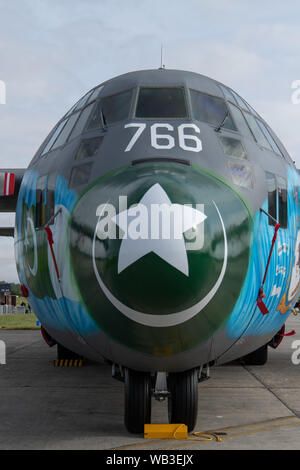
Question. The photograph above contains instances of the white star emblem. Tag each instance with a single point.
(156, 225)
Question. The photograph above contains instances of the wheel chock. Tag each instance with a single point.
(179, 432)
(68, 362)
(165, 431)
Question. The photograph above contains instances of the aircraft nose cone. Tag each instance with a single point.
(156, 249)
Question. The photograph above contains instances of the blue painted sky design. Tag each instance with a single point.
(246, 315)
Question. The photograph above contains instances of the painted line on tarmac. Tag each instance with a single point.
(193, 440)
(295, 422)
(257, 423)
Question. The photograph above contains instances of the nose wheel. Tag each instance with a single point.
(137, 400)
(183, 398)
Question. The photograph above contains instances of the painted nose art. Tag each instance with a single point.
(152, 248)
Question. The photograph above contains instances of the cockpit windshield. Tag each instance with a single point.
(111, 109)
(161, 103)
(116, 107)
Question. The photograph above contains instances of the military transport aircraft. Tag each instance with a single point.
(157, 227)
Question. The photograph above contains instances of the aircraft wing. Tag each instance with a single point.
(10, 182)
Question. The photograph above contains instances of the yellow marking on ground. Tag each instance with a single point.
(268, 428)
(241, 433)
(194, 440)
(239, 426)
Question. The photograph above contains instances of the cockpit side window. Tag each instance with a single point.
(232, 96)
(277, 199)
(73, 123)
(228, 94)
(81, 122)
(66, 131)
(88, 98)
(248, 119)
(161, 103)
(54, 136)
(257, 132)
(83, 100)
(242, 104)
(272, 197)
(282, 201)
(240, 121)
(211, 109)
(40, 217)
(95, 93)
(269, 137)
(232, 147)
(44, 210)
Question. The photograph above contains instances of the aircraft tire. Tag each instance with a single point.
(183, 398)
(137, 400)
(257, 358)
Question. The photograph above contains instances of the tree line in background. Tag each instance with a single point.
(15, 288)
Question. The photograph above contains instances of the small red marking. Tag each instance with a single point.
(5, 183)
(24, 290)
(11, 189)
(260, 303)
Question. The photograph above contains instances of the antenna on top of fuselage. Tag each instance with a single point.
(162, 66)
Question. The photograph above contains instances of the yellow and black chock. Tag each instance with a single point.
(178, 432)
(68, 362)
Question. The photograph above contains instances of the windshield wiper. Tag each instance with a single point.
(217, 129)
(103, 120)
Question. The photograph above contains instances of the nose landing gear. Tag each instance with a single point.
(182, 397)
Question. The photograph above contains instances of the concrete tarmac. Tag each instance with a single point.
(47, 407)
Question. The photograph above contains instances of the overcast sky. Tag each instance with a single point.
(53, 51)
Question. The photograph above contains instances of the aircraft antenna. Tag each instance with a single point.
(162, 66)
